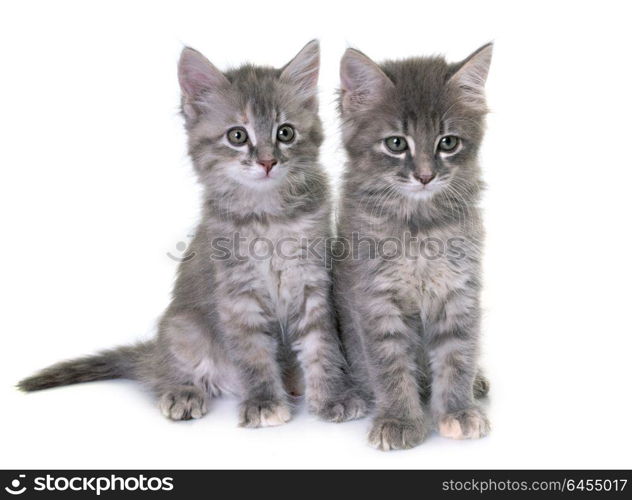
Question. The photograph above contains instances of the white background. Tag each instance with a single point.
(95, 189)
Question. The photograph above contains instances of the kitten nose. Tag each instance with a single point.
(267, 164)
(424, 178)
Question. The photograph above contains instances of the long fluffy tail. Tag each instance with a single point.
(121, 362)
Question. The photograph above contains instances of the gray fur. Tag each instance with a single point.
(246, 326)
(410, 324)
(110, 364)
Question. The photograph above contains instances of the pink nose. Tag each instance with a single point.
(425, 178)
(267, 164)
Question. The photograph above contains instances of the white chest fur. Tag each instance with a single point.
(282, 260)
(427, 272)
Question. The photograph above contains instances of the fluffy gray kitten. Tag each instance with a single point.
(407, 284)
(244, 319)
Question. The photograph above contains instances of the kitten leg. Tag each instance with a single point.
(391, 355)
(254, 352)
(481, 387)
(453, 361)
(327, 387)
(174, 373)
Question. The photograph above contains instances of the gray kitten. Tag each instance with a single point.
(407, 287)
(243, 319)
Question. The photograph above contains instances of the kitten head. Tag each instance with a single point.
(251, 128)
(414, 126)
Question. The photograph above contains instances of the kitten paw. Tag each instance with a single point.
(481, 386)
(184, 403)
(263, 414)
(465, 424)
(341, 409)
(396, 434)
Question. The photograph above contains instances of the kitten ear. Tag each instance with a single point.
(197, 75)
(362, 82)
(302, 71)
(471, 75)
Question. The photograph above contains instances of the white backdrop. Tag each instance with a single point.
(95, 189)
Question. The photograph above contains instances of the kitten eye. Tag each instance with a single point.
(448, 143)
(285, 133)
(237, 136)
(396, 144)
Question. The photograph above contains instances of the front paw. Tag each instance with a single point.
(256, 413)
(396, 434)
(464, 424)
(342, 408)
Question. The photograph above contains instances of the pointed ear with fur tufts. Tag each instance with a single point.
(362, 82)
(471, 75)
(302, 73)
(197, 76)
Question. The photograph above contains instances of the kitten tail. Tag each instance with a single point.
(120, 362)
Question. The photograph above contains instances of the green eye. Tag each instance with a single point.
(237, 136)
(396, 144)
(285, 133)
(448, 143)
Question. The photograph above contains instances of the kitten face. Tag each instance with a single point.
(414, 126)
(252, 127)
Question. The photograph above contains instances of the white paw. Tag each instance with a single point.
(263, 414)
(396, 434)
(348, 407)
(465, 424)
(184, 403)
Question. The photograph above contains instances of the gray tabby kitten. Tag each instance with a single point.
(407, 292)
(245, 320)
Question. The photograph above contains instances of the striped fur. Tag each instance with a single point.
(410, 321)
(258, 327)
